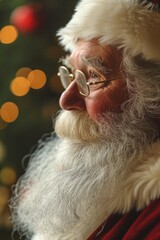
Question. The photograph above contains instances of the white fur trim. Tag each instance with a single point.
(143, 185)
(125, 23)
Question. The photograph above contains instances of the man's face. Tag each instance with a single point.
(98, 64)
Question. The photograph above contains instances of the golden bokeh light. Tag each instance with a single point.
(7, 219)
(37, 79)
(4, 197)
(8, 175)
(8, 34)
(20, 86)
(9, 112)
(23, 72)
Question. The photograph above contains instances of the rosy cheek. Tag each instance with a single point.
(107, 100)
(97, 107)
(93, 113)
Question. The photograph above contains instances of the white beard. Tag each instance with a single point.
(69, 184)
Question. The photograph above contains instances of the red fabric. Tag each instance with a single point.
(142, 225)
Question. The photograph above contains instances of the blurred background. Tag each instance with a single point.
(29, 86)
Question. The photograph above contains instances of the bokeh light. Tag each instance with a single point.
(9, 112)
(23, 72)
(37, 79)
(7, 223)
(4, 196)
(8, 176)
(8, 34)
(20, 86)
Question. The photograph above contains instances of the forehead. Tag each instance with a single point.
(92, 49)
(87, 49)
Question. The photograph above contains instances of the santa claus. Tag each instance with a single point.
(99, 178)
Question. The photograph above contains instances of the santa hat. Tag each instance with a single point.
(133, 25)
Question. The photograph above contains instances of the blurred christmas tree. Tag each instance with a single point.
(29, 53)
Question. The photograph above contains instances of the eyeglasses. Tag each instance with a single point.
(83, 86)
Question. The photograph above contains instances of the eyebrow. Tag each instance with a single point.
(96, 63)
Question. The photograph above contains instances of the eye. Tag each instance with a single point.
(96, 80)
(94, 75)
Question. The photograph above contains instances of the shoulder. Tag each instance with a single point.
(142, 185)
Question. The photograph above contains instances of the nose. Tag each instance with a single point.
(71, 99)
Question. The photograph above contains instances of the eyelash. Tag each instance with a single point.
(94, 75)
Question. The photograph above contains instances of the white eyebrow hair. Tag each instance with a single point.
(96, 63)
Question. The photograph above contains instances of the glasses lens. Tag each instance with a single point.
(81, 83)
(64, 76)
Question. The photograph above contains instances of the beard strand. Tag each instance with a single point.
(75, 125)
(79, 173)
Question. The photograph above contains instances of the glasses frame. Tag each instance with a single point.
(72, 77)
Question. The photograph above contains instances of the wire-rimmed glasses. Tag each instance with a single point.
(83, 86)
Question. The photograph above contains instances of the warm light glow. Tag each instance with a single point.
(7, 219)
(8, 175)
(9, 112)
(20, 86)
(4, 197)
(23, 72)
(8, 34)
(37, 79)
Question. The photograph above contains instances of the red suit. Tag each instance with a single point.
(135, 225)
